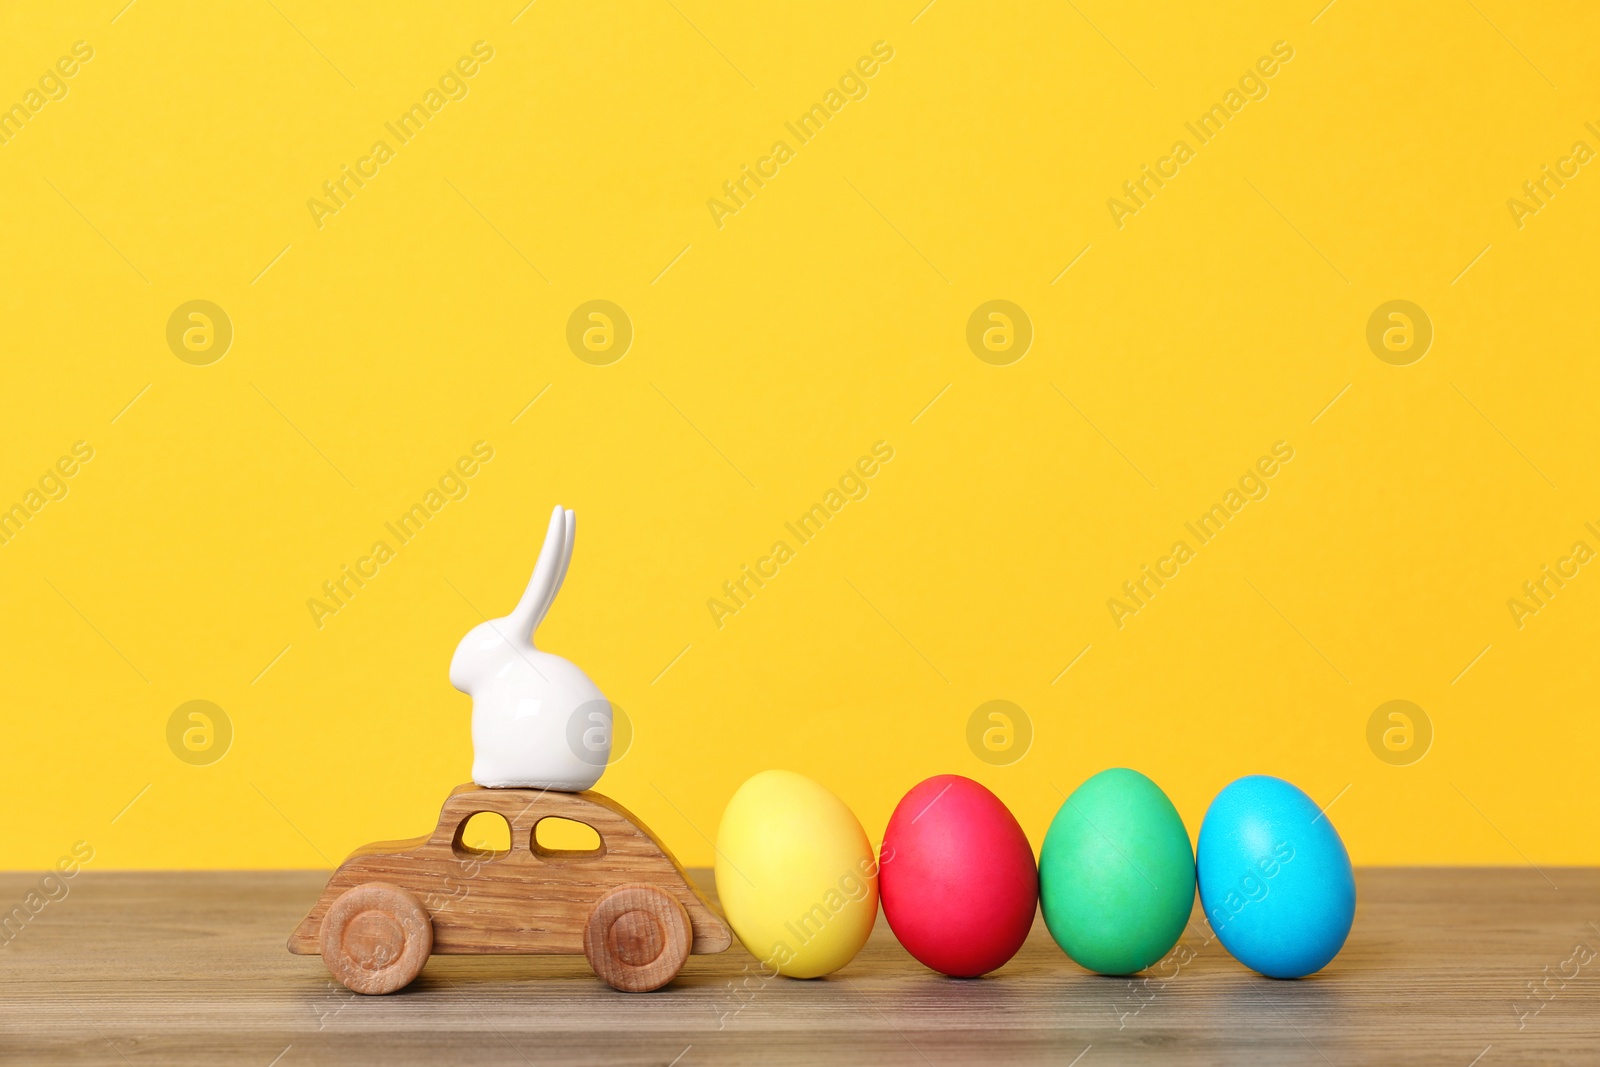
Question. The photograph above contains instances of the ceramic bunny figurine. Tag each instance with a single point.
(538, 722)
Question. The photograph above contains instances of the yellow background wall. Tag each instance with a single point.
(828, 313)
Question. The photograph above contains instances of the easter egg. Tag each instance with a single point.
(796, 875)
(957, 877)
(1275, 879)
(1116, 874)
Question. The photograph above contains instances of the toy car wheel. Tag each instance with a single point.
(637, 938)
(376, 937)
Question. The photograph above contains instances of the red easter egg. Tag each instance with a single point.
(957, 877)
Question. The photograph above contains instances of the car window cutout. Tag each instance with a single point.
(484, 835)
(553, 837)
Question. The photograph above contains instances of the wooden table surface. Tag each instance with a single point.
(190, 968)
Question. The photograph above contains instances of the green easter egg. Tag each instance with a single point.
(1116, 874)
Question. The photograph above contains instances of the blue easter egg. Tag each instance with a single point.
(1275, 880)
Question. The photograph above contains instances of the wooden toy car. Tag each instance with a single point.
(626, 905)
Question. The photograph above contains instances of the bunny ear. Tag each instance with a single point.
(569, 531)
(547, 574)
(566, 560)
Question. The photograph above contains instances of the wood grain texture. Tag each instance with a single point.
(529, 899)
(189, 968)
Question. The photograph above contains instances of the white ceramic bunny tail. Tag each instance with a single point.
(538, 722)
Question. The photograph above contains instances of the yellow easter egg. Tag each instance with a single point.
(796, 874)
